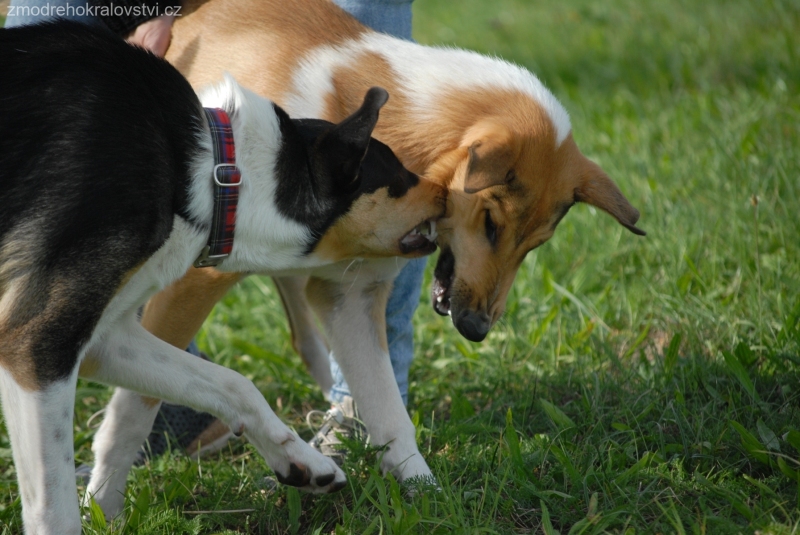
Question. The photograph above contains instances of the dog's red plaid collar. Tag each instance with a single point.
(227, 179)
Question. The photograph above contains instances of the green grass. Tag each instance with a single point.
(635, 385)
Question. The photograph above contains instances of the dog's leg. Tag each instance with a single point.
(176, 313)
(355, 318)
(39, 423)
(162, 371)
(306, 338)
(128, 420)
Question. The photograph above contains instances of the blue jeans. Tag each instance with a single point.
(387, 16)
(392, 17)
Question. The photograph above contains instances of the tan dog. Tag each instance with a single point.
(488, 130)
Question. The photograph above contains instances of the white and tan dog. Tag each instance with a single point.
(486, 129)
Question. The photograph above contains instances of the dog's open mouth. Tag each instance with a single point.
(421, 238)
(443, 277)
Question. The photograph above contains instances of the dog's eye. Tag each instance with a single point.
(510, 176)
(491, 229)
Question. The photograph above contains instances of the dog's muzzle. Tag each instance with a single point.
(473, 325)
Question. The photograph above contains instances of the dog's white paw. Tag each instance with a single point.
(299, 465)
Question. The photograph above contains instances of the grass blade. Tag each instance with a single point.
(738, 371)
(98, 519)
(750, 443)
(557, 416)
(547, 526)
(139, 510)
(766, 434)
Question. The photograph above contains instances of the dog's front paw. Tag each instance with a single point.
(303, 467)
(300, 476)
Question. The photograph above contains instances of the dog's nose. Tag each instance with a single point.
(472, 325)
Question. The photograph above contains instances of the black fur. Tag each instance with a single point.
(316, 197)
(95, 141)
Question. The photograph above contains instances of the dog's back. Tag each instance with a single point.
(76, 204)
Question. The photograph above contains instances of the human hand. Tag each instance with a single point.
(154, 34)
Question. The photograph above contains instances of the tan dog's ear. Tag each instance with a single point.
(598, 190)
(491, 157)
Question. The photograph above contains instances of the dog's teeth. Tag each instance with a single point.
(439, 299)
(428, 230)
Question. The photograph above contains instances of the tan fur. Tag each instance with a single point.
(366, 229)
(150, 402)
(15, 350)
(89, 367)
(177, 312)
(24, 307)
(288, 285)
(380, 296)
(22, 327)
(267, 68)
(210, 434)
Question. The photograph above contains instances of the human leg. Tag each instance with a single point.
(387, 16)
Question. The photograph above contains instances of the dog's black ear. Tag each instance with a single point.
(293, 145)
(346, 144)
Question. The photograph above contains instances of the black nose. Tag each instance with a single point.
(472, 325)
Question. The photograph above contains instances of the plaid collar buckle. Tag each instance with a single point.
(227, 180)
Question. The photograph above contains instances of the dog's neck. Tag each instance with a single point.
(264, 240)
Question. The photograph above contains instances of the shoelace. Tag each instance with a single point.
(334, 414)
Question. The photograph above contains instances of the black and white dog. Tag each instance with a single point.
(111, 186)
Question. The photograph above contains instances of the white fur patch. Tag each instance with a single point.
(264, 240)
(425, 74)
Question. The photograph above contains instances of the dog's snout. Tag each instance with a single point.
(473, 325)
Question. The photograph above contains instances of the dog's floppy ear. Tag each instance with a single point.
(598, 190)
(346, 144)
(491, 157)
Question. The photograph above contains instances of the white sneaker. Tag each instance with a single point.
(341, 420)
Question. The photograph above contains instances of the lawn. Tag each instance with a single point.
(634, 385)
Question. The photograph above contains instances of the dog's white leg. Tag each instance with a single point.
(126, 424)
(351, 308)
(306, 338)
(39, 423)
(135, 359)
